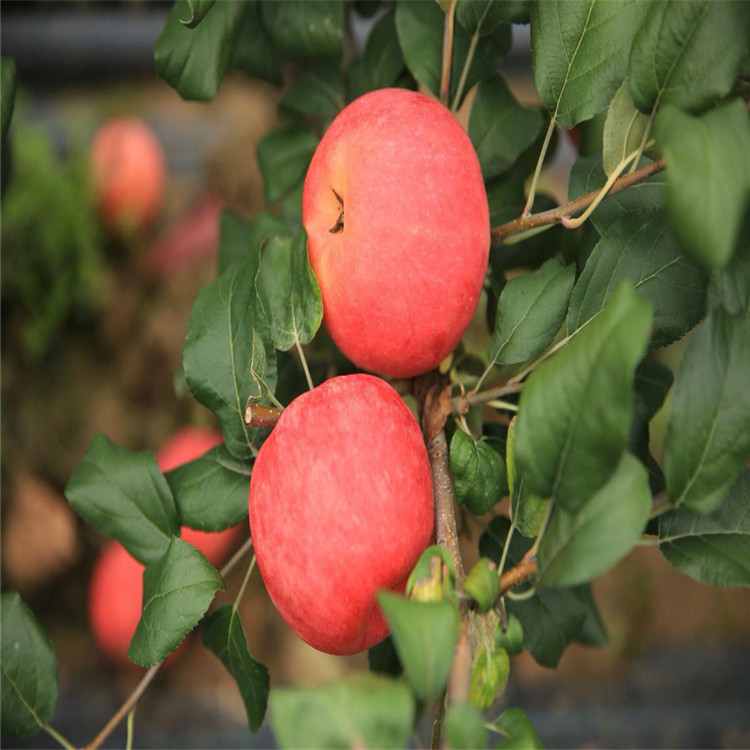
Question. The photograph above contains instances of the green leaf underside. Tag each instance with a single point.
(575, 410)
(211, 492)
(224, 635)
(283, 157)
(711, 548)
(289, 291)
(708, 440)
(305, 28)
(425, 635)
(29, 670)
(530, 311)
(579, 53)
(193, 60)
(639, 248)
(587, 175)
(228, 351)
(123, 495)
(520, 734)
(552, 618)
(579, 546)
(624, 128)
(464, 727)
(527, 510)
(238, 237)
(362, 710)
(177, 590)
(500, 128)
(687, 53)
(478, 473)
(708, 180)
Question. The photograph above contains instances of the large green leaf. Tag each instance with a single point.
(193, 60)
(708, 440)
(123, 495)
(527, 510)
(624, 128)
(579, 52)
(530, 311)
(575, 410)
(383, 659)
(425, 636)
(708, 177)
(177, 590)
(730, 287)
(499, 127)
(254, 52)
(29, 670)
(211, 492)
(587, 175)
(688, 53)
(283, 156)
(228, 352)
(579, 546)
(224, 635)
(713, 548)
(482, 16)
(8, 93)
(198, 10)
(289, 291)
(318, 92)
(639, 248)
(518, 730)
(464, 727)
(420, 34)
(383, 59)
(478, 472)
(362, 710)
(239, 238)
(305, 28)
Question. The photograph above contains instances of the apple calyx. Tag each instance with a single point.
(339, 225)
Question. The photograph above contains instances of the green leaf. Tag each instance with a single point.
(530, 311)
(520, 734)
(688, 53)
(240, 238)
(228, 350)
(425, 636)
(464, 727)
(577, 547)
(123, 495)
(420, 33)
(283, 157)
(177, 590)
(29, 670)
(489, 674)
(579, 52)
(481, 16)
(211, 492)
(193, 60)
(624, 128)
(362, 710)
(305, 28)
(254, 52)
(478, 473)
(708, 440)
(383, 60)
(527, 510)
(575, 410)
(383, 659)
(730, 287)
(198, 10)
(640, 248)
(587, 175)
(499, 127)
(708, 178)
(482, 583)
(511, 639)
(8, 88)
(319, 91)
(433, 577)
(552, 618)
(713, 548)
(224, 635)
(289, 291)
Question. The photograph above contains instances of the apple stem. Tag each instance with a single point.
(445, 78)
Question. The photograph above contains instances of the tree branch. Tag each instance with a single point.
(556, 215)
(522, 572)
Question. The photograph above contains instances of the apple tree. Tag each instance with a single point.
(538, 423)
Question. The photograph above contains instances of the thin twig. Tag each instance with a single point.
(461, 404)
(257, 415)
(522, 572)
(437, 721)
(556, 215)
(445, 78)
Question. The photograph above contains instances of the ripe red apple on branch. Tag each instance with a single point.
(340, 507)
(398, 231)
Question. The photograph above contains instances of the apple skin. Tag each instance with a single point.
(128, 171)
(340, 507)
(401, 280)
(116, 585)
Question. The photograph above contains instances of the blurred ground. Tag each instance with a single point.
(675, 672)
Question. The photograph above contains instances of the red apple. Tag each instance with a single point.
(128, 170)
(398, 231)
(340, 507)
(116, 587)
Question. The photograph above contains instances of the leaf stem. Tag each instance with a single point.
(506, 547)
(538, 170)
(465, 71)
(644, 140)
(131, 718)
(437, 721)
(445, 78)
(58, 737)
(245, 581)
(505, 405)
(461, 404)
(523, 596)
(310, 384)
(535, 547)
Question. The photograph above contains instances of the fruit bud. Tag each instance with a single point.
(433, 577)
(483, 584)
